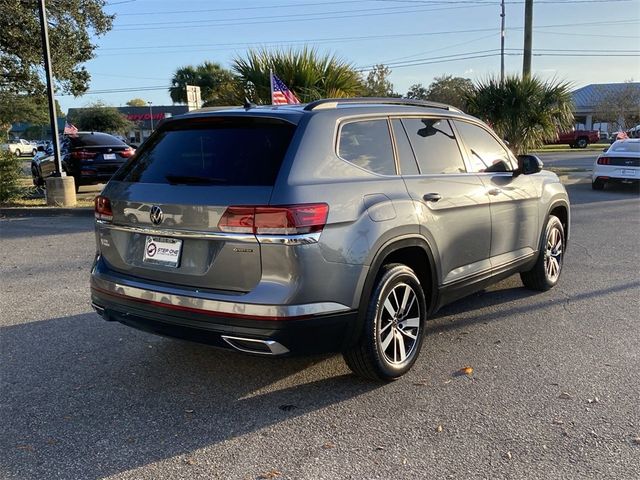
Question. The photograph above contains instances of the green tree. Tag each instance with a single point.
(137, 102)
(218, 85)
(377, 83)
(73, 25)
(309, 75)
(525, 111)
(450, 90)
(10, 173)
(417, 92)
(101, 118)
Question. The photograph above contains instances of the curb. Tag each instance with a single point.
(16, 212)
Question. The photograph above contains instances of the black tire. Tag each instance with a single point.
(17, 152)
(370, 358)
(597, 184)
(132, 219)
(545, 273)
(572, 145)
(582, 142)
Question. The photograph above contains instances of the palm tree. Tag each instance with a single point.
(527, 111)
(218, 86)
(309, 75)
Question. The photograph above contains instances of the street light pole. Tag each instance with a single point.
(44, 32)
(528, 33)
(151, 116)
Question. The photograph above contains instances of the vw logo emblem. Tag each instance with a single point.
(156, 215)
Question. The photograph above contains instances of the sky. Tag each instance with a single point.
(579, 41)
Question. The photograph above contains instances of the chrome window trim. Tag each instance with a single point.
(206, 302)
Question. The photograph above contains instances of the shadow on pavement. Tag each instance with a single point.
(87, 402)
(582, 193)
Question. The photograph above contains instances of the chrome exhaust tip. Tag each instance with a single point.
(252, 345)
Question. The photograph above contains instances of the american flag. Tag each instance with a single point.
(69, 129)
(280, 94)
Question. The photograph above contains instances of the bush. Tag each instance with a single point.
(10, 173)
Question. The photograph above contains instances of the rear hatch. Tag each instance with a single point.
(167, 202)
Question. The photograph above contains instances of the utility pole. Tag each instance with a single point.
(502, 33)
(528, 30)
(61, 190)
(44, 32)
(151, 115)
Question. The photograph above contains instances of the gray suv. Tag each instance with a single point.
(341, 225)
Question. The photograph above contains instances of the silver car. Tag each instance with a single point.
(341, 225)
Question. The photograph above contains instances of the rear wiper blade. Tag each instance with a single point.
(194, 180)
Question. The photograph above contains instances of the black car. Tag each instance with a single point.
(90, 157)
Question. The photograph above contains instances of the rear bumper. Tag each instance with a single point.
(256, 328)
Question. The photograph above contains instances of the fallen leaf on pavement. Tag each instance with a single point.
(328, 445)
(636, 440)
(379, 447)
(565, 395)
(508, 455)
(189, 461)
(269, 475)
(468, 371)
(558, 422)
(439, 428)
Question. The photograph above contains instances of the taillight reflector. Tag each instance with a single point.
(83, 155)
(276, 220)
(103, 208)
(129, 152)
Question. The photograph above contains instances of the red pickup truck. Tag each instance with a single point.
(578, 138)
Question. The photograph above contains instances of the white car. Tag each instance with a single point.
(20, 147)
(620, 163)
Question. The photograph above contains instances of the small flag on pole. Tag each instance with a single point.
(280, 93)
(69, 129)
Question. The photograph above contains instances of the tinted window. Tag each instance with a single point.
(95, 140)
(408, 165)
(216, 152)
(435, 145)
(484, 149)
(368, 145)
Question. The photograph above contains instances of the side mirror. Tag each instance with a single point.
(527, 165)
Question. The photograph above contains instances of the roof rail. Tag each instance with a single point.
(334, 102)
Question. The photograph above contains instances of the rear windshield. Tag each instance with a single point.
(215, 151)
(95, 140)
(631, 147)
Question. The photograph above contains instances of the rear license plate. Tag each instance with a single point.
(162, 251)
(631, 173)
(109, 156)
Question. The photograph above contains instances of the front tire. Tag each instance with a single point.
(597, 184)
(546, 272)
(394, 326)
(17, 153)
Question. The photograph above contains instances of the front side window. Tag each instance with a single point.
(367, 144)
(485, 151)
(434, 145)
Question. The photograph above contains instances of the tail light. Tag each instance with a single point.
(604, 161)
(103, 208)
(278, 220)
(127, 153)
(82, 155)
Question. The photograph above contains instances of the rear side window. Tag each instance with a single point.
(367, 144)
(216, 151)
(621, 147)
(435, 145)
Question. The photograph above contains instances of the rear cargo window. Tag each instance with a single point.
(215, 151)
(95, 140)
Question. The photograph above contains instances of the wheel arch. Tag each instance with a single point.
(413, 251)
(560, 209)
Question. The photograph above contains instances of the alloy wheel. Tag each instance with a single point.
(553, 255)
(399, 324)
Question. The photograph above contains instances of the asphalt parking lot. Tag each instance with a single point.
(554, 392)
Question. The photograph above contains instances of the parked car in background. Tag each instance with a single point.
(620, 163)
(90, 157)
(340, 225)
(20, 147)
(577, 138)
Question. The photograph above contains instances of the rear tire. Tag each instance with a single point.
(546, 272)
(582, 142)
(394, 326)
(597, 184)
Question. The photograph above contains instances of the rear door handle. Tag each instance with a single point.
(495, 191)
(431, 197)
